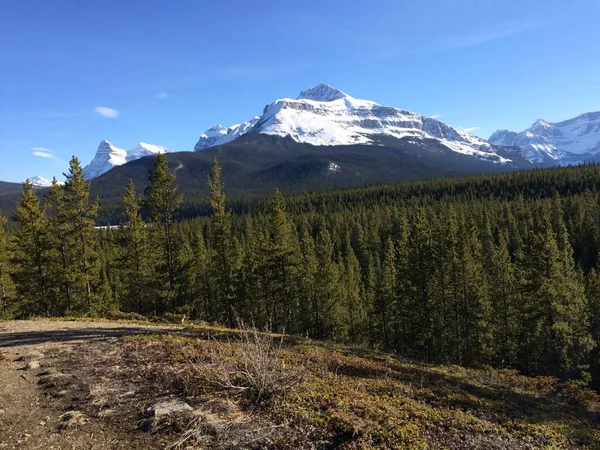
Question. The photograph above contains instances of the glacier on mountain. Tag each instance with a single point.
(572, 141)
(324, 115)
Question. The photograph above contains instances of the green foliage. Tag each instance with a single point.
(162, 202)
(33, 256)
(75, 223)
(134, 261)
(498, 270)
(6, 285)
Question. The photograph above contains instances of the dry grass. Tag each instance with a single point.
(252, 365)
(349, 398)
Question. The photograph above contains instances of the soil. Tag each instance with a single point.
(54, 404)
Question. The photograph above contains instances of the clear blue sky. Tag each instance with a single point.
(171, 69)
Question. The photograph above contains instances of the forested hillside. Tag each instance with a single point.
(493, 270)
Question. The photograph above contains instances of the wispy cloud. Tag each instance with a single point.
(470, 129)
(107, 112)
(42, 152)
(447, 42)
(162, 95)
(493, 33)
(435, 116)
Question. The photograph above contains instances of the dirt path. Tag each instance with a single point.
(30, 420)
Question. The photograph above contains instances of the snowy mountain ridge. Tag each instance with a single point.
(41, 182)
(109, 156)
(571, 141)
(326, 116)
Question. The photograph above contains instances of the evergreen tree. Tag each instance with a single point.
(503, 299)
(282, 265)
(32, 256)
(163, 202)
(135, 259)
(77, 216)
(61, 274)
(385, 303)
(6, 284)
(223, 256)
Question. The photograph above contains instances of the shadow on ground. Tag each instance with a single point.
(18, 339)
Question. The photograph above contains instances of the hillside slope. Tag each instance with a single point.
(345, 398)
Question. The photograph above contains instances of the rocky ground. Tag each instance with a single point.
(42, 393)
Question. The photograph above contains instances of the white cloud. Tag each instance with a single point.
(470, 129)
(107, 112)
(162, 95)
(435, 116)
(42, 152)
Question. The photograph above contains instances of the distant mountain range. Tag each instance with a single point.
(326, 116)
(572, 141)
(325, 137)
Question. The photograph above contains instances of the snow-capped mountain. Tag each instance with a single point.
(144, 149)
(219, 135)
(569, 142)
(109, 156)
(41, 182)
(324, 115)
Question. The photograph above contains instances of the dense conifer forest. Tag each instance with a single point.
(497, 270)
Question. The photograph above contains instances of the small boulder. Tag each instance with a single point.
(32, 365)
(169, 407)
(33, 355)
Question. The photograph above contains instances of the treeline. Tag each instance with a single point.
(476, 276)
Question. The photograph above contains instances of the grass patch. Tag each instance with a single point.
(351, 398)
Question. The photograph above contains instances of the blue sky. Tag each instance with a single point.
(166, 71)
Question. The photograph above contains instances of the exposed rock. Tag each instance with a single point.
(169, 407)
(32, 365)
(72, 419)
(33, 355)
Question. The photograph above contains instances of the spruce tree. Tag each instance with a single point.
(61, 274)
(6, 284)
(223, 257)
(282, 262)
(163, 202)
(135, 258)
(385, 303)
(80, 238)
(33, 256)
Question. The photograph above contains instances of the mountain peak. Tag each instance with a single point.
(322, 92)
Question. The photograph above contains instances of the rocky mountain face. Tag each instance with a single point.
(219, 135)
(109, 156)
(41, 182)
(326, 116)
(572, 141)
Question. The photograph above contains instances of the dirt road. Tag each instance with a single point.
(31, 420)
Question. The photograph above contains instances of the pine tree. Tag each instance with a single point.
(163, 202)
(199, 280)
(32, 256)
(61, 274)
(385, 303)
(6, 284)
(503, 302)
(354, 296)
(77, 216)
(223, 255)
(134, 260)
(330, 319)
(282, 262)
(593, 311)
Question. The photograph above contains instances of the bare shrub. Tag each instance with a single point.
(252, 363)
